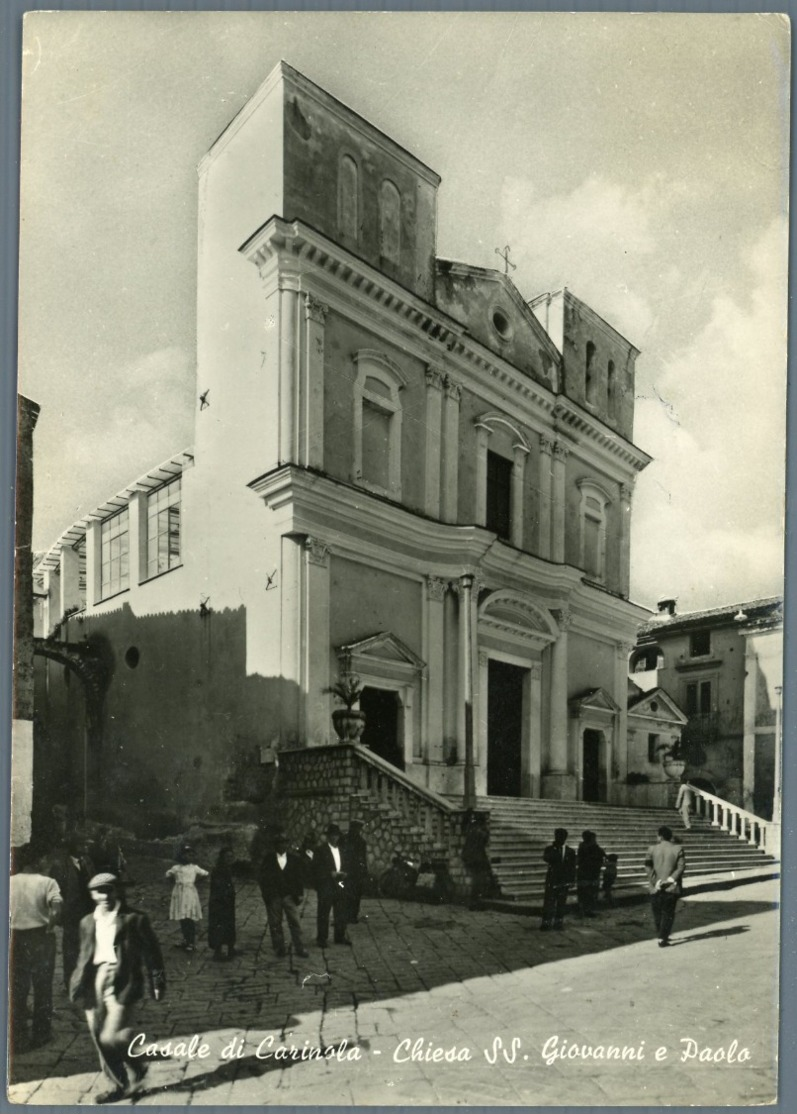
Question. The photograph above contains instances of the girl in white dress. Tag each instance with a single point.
(185, 906)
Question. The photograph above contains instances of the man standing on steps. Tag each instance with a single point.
(685, 803)
(561, 875)
(666, 862)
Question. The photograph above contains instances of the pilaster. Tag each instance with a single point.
(311, 406)
(520, 452)
(288, 368)
(434, 654)
(450, 503)
(560, 453)
(626, 495)
(559, 781)
(434, 439)
(544, 542)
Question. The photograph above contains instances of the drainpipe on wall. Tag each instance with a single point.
(466, 585)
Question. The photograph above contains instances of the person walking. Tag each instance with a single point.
(355, 850)
(561, 875)
(685, 803)
(35, 907)
(589, 862)
(666, 863)
(72, 870)
(476, 860)
(330, 867)
(185, 905)
(221, 907)
(117, 947)
(282, 889)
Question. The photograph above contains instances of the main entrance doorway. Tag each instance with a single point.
(504, 728)
(592, 783)
(383, 724)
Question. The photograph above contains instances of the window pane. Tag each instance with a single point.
(376, 445)
(499, 495)
(592, 535)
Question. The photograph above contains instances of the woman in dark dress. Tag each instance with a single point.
(221, 907)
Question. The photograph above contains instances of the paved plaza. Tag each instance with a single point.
(442, 1006)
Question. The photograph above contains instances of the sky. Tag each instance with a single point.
(639, 160)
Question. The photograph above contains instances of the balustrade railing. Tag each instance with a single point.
(760, 833)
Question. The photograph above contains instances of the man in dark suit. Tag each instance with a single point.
(330, 865)
(355, 850)
(666, 863)
(73, 870)
(282, 888)
(117, 945)
(589, 863)
(561, 875)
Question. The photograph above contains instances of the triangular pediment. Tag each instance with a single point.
(381, 647)
(594, 700)
(656, 704)
(492, 309)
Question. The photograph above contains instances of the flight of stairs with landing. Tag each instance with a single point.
(521, 828)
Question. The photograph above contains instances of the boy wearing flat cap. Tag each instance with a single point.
(117, 945)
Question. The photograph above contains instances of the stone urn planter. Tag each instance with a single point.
(349, 723)
(674, 767)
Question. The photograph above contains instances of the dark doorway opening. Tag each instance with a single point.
(504, 728)
(383, 725)
(592, 788)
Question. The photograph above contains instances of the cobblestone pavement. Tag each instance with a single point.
(421, 978)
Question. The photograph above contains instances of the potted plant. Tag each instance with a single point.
(349, 723)
(674, 761)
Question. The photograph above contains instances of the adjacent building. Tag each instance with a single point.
(402, 468)
(724, 668)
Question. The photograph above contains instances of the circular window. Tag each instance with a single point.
(132, 657)
(501, 323)
(654, 706)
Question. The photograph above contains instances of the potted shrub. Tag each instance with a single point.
(349, 724)
(674, 761)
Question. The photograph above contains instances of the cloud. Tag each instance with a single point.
(140, 414)
(708, 515)
(597, 240)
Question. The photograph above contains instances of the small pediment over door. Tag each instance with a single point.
(594, 708)
(382, 654)
(656, 704)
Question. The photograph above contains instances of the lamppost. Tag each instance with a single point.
(466, 586)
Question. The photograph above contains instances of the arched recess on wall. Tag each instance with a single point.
(348, 198)
(509, 616)
(389, 222)
(378, 383)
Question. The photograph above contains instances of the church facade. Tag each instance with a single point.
(402, 468)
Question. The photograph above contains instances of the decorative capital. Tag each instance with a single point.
(453, 390)
(626, 492)
(563, 616)
(546, 446)
(624, 648)
(317, 551)
(535, 669)
(560, 450)
(434, 378)
(315, 310)
(436, 587)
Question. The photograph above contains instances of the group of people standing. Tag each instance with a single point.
(591, 870)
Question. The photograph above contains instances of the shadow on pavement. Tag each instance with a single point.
(400, 948)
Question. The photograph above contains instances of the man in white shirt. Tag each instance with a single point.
(35, 907)
(330, 873)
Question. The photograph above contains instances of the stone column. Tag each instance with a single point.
(544, 544)
(560, 451)
(520, 452)
(532, 760)
(311, 407)
(626, 492)
(482, 441)
(453, 394)
(288, 368)
(434, 431)
(620, 742)
(435, 657)
(559, 782)
(482, 742)
(466, 683)
(315, 645)
(748, 722)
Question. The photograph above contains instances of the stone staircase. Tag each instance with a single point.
(521, 828)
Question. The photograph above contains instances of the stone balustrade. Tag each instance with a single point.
(760, 833)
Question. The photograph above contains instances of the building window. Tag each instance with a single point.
(592, 542)
(390, 222)
(348, 199)
(115, 554)
(499, 495)
(80, 549)
(590, 384)
(163, 528)
(377, 423)
(699, 643)
(653, 748)
(698, 698)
